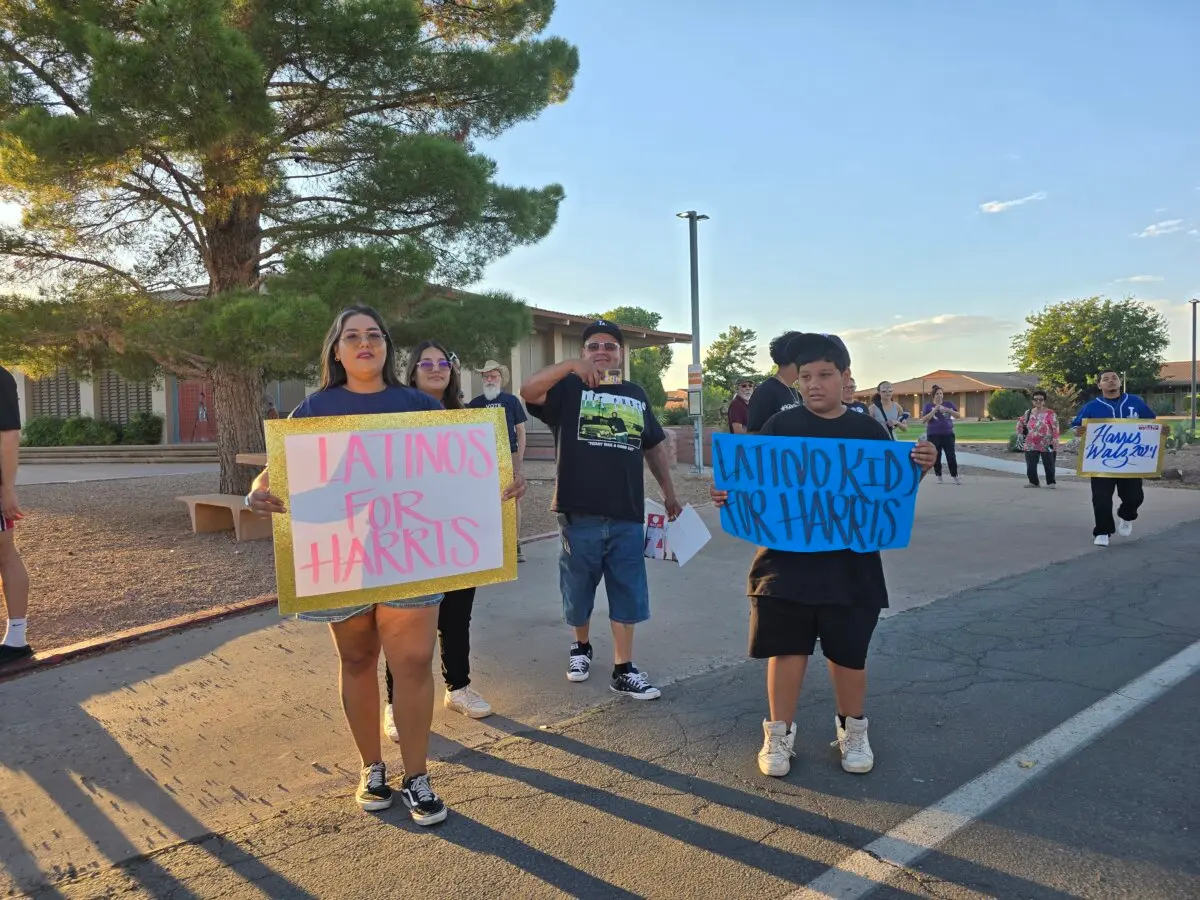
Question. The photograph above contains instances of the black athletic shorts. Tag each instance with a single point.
(786, 628)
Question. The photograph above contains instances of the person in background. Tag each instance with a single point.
(832, 596)
(886, 411)
(849, 389)
(1113, 403)
(1039, 429)
(776, 392)
(14, 578)
(738, 415)
(939, 417)
(358, 377)
(432, 371)
(495, 376)
(599, 496)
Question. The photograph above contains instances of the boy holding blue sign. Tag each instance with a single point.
(798, 597)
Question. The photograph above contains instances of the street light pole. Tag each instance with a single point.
(695, 376)
(1194, 303)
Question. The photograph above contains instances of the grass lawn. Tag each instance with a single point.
(969, 431)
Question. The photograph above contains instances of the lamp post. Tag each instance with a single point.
(695, 376)
(1194, 303)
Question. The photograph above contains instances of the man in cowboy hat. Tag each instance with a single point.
(495, 376)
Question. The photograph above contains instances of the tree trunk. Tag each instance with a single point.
(237, 397)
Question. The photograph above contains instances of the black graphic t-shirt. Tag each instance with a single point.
(514, 413)
(10, 410)
(768, 398)
(833, 577)
(859, 407)
(601, 435)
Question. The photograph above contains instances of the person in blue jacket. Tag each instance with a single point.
(1113, 403)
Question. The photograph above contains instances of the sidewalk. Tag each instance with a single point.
(69, 473)
(217, 729)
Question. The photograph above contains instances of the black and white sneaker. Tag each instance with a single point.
(579, 665)
(12, 654)
(373, 791)
(636, 685)
(426, 807)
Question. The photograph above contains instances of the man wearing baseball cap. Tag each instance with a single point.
(495, 376)
(604, 429)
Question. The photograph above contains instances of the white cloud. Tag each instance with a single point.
(1170, 226)
(1140, 279)
(923, 331)
(1161, 209)
(999, 206)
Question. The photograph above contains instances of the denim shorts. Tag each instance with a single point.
(335, 616)
(595, 547)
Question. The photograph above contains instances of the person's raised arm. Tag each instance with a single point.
(538, 385)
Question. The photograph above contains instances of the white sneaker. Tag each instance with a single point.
(389, 724)
(1124, 527)
(1101, 540)
(939, 480)
(468, 702)
(856, 749)
(779, 741)
(957, 479)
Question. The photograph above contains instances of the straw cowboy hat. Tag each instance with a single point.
(492, 366)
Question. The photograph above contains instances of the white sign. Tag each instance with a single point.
(1121, 448)
(371, 509)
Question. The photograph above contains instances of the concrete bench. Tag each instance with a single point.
(222, 512)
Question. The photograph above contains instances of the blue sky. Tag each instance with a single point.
(917, 176)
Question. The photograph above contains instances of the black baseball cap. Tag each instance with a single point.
(603, 326)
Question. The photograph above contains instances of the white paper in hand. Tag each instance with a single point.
(687, 535)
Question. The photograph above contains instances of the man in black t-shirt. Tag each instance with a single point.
(833, 596)
(13, 577)
(495, 376)
(848, 400)
(604, 428)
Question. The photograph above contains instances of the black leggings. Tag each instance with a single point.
(1032, 458)
(454, 634)
(944, 443)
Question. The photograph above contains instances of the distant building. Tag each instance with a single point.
(971, 391)
(677, 399)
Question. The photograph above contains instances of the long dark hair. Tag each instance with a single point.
(333, 373)
(450, 398)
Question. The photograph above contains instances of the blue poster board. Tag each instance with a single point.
(810, 495)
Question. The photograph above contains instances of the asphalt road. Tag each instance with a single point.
(664, 799)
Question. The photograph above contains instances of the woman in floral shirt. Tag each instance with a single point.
(1039, 427)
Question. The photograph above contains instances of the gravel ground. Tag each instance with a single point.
(106, 556)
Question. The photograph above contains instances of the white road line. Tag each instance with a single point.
(877, 863)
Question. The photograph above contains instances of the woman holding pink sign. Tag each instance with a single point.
(433, 371)
(358, 377)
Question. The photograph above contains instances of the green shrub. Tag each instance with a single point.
(43, 431)
(1163, 406)
(1007, 404)
(677, 415)
(84, 431)
(143, 428)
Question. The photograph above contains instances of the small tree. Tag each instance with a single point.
(1007, 404)
(730, 357)
(1072, 342)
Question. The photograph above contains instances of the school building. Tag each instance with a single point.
(186, 405)
(971, 391)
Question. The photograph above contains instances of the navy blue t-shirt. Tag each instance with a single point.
(337, 401)
(514, 413)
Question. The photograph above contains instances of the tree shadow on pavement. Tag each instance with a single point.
(96, 785)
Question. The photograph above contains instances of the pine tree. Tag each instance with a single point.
(158, 145)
